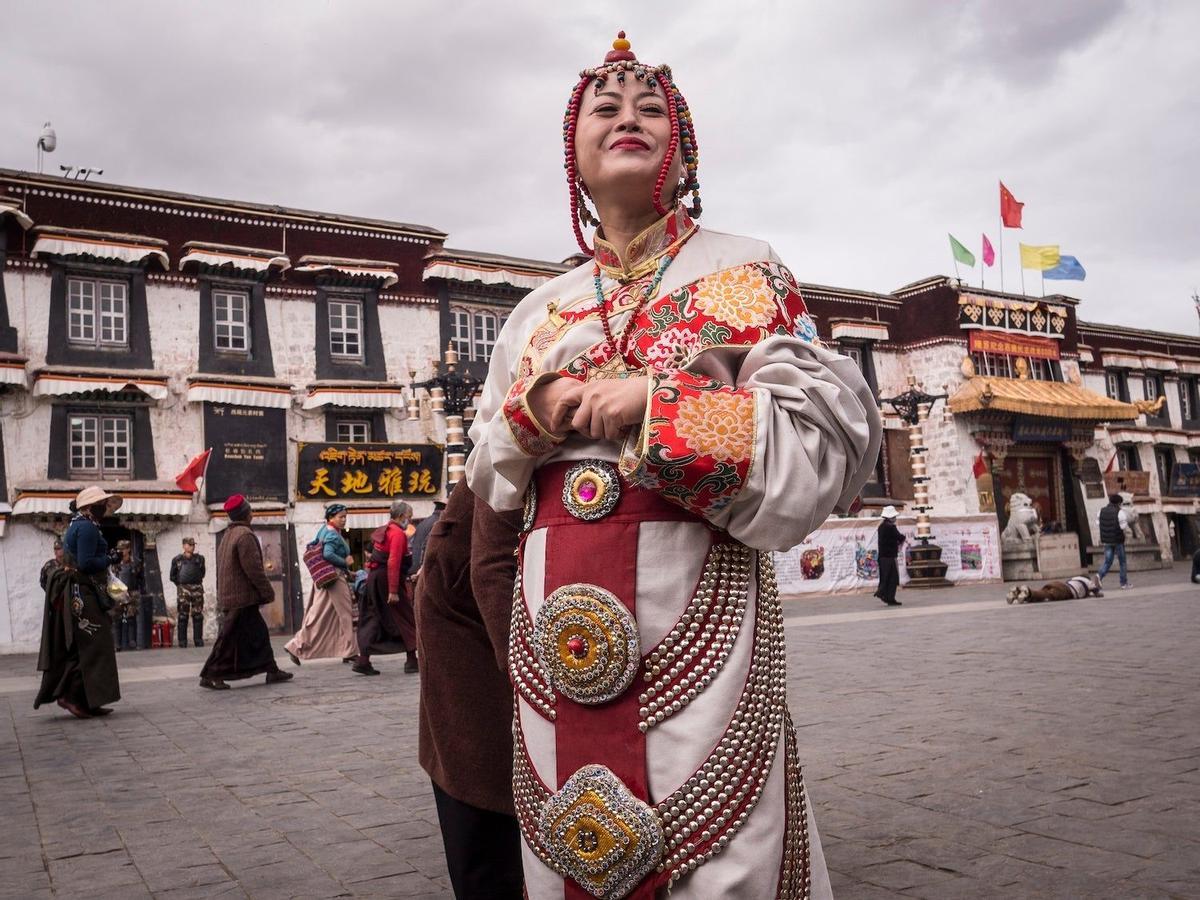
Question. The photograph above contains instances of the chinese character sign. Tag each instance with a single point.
(368, 471)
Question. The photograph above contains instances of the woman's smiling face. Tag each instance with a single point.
(623, 134)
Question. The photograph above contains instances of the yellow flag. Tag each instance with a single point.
(1039, 257)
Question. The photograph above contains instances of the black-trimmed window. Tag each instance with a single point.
(1116, 384)
(98, 312)
(1164, 462)
(860, 352)
(1153, 386)
(1189, 401)
(101, 446)
(474, 331)
(1128, 459)
(231, 321)
(346, 328)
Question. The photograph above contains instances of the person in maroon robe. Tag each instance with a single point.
(385, 619)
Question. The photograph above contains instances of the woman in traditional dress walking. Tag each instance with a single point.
(328, 628)
(668, 417)
(77, 659)
(385, 620)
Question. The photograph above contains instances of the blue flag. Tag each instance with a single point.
(1068, 269)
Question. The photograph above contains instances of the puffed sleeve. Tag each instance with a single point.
(762, 440)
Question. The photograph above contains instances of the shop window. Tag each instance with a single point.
(100, 446)
(345, 329)
(353, 431)
(231, 321)
(97, 312)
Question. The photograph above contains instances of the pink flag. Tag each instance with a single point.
(989, 255)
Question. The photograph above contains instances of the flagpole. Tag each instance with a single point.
(1043, 273)
(1023, 294)
(1001, 218)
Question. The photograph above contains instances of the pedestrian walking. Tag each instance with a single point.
(421, 536)
(243, 645)
(1196, 567)
(129, 571)
(463, 605)
(328, 627)
(54, 562)
(1113, 522)
(890, 539)
(77, 659)
(386, 623)
(187, 574)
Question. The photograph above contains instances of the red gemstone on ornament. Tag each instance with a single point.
(577, 647)
(587, 491)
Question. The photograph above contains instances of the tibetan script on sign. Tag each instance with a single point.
(341, 471)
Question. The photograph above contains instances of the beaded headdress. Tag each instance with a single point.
(620, 63)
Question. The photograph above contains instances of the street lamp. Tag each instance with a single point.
(451, 395)
(924, 560)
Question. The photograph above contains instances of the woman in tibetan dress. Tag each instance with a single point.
(666, 417)
(328, 628)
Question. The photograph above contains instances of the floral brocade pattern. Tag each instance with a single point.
(527, 433)
(698, 442)
(739, 297)
(719, 424)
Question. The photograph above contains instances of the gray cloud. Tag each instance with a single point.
(853, 135)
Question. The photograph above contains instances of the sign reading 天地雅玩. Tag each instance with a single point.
(330, 471)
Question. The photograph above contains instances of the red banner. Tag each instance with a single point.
(1012, 344)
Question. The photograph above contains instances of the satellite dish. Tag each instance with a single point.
(47, 140)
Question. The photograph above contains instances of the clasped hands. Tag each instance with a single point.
(603, 409)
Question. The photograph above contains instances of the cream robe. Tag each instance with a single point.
(816, 442)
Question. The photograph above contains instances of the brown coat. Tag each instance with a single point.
(241, 580)
(463, 606)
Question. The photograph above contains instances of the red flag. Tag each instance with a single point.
(980, 466)
(195, 469)
(989, 255)
(1010, 209)
(1109, 467)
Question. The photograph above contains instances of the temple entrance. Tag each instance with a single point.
(1037, 473)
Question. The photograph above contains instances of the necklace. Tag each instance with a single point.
(619, 347)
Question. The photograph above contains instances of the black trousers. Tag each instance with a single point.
(889, 579)
(483, 850)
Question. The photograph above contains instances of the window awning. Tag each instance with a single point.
(62, 382)
(362, 396)
(240, 392)
(11, 207)
(12, 369)
(101, 246)
(266, 512)
(485, 274)
(197, 254)
(1115, 359)
(369, 270)
(868, 331)
(140, 498)
(1053, 399)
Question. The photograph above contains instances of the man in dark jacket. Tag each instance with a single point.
(52, 565)
(187, 574)
(1113, 525)
(890, 540)
(420, 536)
(243, 645)
(1196, 568)
(464, 603)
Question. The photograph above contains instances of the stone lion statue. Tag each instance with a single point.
(1022, 520)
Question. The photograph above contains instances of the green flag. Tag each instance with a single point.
(961, 253)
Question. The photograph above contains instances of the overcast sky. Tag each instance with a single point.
(852, 134)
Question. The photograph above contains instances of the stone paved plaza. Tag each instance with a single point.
(954, 747)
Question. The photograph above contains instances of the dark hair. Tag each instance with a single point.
(1115, 498)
